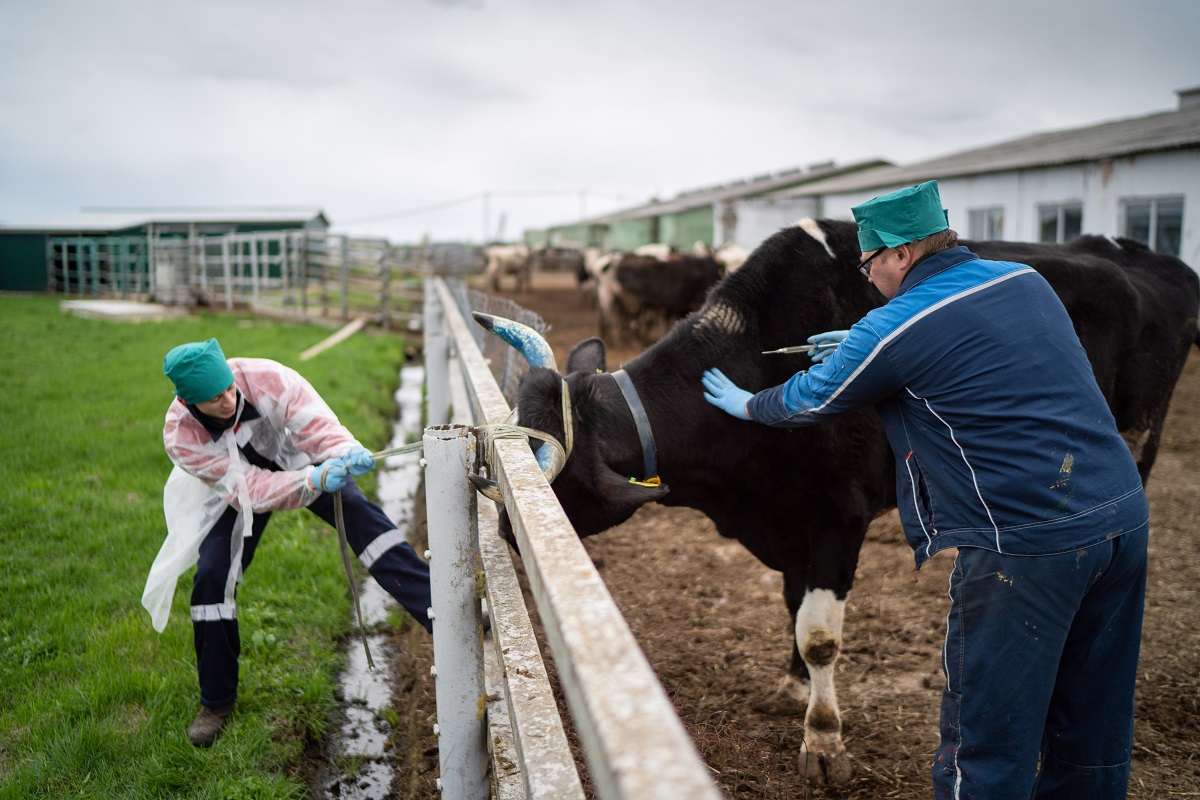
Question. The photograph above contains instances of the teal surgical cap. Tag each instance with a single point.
(198, 370)
(900, 217)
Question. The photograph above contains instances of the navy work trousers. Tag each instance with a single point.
(1041, 659)
(374, 539)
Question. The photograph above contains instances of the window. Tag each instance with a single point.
(1059, 222)
(1157, 222)
(985, 223)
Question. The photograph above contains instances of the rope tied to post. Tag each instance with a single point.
(490, 434)
(552, 457)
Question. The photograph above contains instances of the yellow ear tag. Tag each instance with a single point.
(655, 481)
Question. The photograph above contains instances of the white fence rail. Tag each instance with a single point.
(635, 745)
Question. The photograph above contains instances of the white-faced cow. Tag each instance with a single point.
(509, 259)
(731, 256)
(800, 499)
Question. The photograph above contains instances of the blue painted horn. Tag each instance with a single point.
(536, 350)
(525, 339)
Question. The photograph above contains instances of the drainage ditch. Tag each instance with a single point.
(360, 764)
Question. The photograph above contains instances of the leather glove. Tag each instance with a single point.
(829, 337)
(724, 394)
(329, 476)
(358, 460)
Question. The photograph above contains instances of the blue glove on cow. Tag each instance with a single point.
(358, 460)
(828, 338)
(330, 476)
(724, 394)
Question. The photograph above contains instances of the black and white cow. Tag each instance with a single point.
(646, 294)
(800, 499)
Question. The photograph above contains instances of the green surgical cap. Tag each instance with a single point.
(198, 370)
(900, 217)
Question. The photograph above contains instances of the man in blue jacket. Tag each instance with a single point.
(1005, 449)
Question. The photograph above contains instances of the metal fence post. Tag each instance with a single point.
(455, 573)
(344, 258)
(302, 260)
(227, 271)
(385, 277)
(437, 359)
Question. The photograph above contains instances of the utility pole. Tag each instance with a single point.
(487, 216)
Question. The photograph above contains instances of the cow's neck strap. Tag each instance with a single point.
(649, 458)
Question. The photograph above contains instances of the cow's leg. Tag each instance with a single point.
(819, 639)
(790, 696)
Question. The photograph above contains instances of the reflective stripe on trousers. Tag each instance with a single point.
(371, 535)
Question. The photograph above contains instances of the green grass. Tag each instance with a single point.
(93, 702)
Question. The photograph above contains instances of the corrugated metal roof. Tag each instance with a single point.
(115, 219)
(748, 187)
(1168, 130)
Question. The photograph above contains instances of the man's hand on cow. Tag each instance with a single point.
(724, 394)
(358, 460)
(819, 354)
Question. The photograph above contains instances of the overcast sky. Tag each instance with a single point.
(454, 117)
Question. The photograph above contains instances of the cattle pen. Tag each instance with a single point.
(634, 743)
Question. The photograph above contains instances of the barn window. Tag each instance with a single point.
(985, 223)
(1059, 222)
(1157, 222)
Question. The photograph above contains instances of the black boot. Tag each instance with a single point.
(207, 725)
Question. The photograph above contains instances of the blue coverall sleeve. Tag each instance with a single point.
(857, 374)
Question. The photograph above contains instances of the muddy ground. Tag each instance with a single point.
(712, 622)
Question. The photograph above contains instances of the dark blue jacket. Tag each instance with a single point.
(1001, 435)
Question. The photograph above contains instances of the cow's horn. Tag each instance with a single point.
(487, 488)
(525, 339)
(536, 350)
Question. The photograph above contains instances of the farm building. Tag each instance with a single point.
(1137, 177)
(709, 215)
(144, 251)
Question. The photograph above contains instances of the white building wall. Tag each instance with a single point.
(1099, 186)
(760, 218)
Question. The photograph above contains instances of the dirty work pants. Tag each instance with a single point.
(374, 539)
(1040, 659)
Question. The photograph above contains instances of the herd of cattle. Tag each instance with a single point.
(639, 293)
(801, 499)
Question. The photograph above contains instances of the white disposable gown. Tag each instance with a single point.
(295, 429)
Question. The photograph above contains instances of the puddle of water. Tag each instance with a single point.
(399, 476)
(362, 737)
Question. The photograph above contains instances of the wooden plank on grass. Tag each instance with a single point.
(345, 333)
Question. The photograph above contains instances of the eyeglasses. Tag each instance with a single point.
(865, 266)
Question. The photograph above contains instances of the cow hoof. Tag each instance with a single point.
(781, 703)
(789, 698)
(826, 768)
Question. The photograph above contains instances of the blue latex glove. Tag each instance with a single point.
(724, 394)
(829, 337)
(358, 460)
(330, 476)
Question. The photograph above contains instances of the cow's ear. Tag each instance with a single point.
(588, 356)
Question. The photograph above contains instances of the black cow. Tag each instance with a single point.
(800, 499)
(638, 293)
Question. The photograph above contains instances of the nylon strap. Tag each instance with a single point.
(649, 457)
(345, 547)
